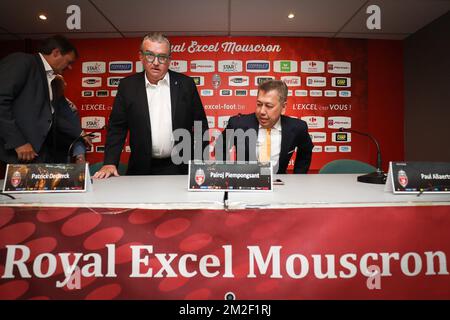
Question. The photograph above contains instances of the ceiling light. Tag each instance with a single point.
(291, 15)
(42, 17)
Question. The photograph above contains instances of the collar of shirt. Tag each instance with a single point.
(277, 125)
(48, 69)
(164, 81)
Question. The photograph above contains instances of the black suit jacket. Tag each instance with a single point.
(25, 111)
(294, 134)
(130, 113)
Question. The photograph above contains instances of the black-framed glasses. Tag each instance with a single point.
(150, 57)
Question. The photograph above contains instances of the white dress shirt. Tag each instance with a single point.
(160, 110)
(275, 143)
(50, 76)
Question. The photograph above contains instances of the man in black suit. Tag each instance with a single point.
(276, 136)
(27, 116)
(150, 105)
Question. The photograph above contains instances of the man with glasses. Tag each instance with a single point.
(150, 105)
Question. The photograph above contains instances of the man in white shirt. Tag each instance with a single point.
(26, 111)
(150, 105)
(278, 136)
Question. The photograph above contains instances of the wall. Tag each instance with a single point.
(427, 92)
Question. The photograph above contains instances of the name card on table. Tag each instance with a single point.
(418, 177)
(48, 178)
(230, 176)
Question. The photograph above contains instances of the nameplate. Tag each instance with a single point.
(224, 176)
(418, 177)
(48, 178)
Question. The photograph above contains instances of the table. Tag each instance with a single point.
(316, 237)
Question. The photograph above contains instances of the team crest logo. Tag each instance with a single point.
(402, 178)
(199, 176)
(216, 81)
(16, 178)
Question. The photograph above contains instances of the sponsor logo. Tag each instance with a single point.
(318, 136)
(257, 66)
(316, 81)
(92, 122)
(339, 122)
(127, 149)
(91, 82)
(102, 93)
(199, 80)
(93, 107)
(226, 92)
(114, 81)
(330, 149)
(178, 65)
(345, 149)
(100, 149)
(340, 82)
(341, 137)
(309, 66)
(315, 93)
(16, 178)
(139, 66)
(222, 121)
(291, 81)
(301, 93)
(340, 67)
(203, 66)
(87, 93)
(285, 66)
(211, 121)
(120, 66)
(330, 93)
(199, 176)
(253, 92)
(97, 137)
(206, 92)
(314, 122)
(259, 80)
(317, 149)
(113, 93)
(238, 81)
(230, 66)
(289, 93)
(241, 93)
(345, 93)
(89, 149)
(402, 178)
(93, 67)
(216, 80)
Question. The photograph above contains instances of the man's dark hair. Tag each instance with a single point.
(57, 42)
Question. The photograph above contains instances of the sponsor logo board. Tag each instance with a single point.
(87, 93)
(91, 82)
(342, 82)
(339, 122)
(230, 65)
(114, 81)
(93, 122)
(178, 65)
(312, 66)
(314, 122)
(198, 80)
(291, 81)
(238, 81)
(257, 66)
(318, 136)
(345, 149)
(261, 79)
(102, 93)
(315, 93)
(93, 67)
(316, 81)
(203, 66)
(330, 149)
(206, 92)
(287, 66)
(341, 137)
(120, 67)
(339, 67)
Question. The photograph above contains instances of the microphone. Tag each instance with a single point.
(79, 138)
(377, 177)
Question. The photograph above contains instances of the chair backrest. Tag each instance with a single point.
(94, 167)
(347, 166)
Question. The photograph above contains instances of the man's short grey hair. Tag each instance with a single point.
(155, 37)
(277, 85)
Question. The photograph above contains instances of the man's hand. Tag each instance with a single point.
(26, 152)
(106, 171)
(87, 140)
